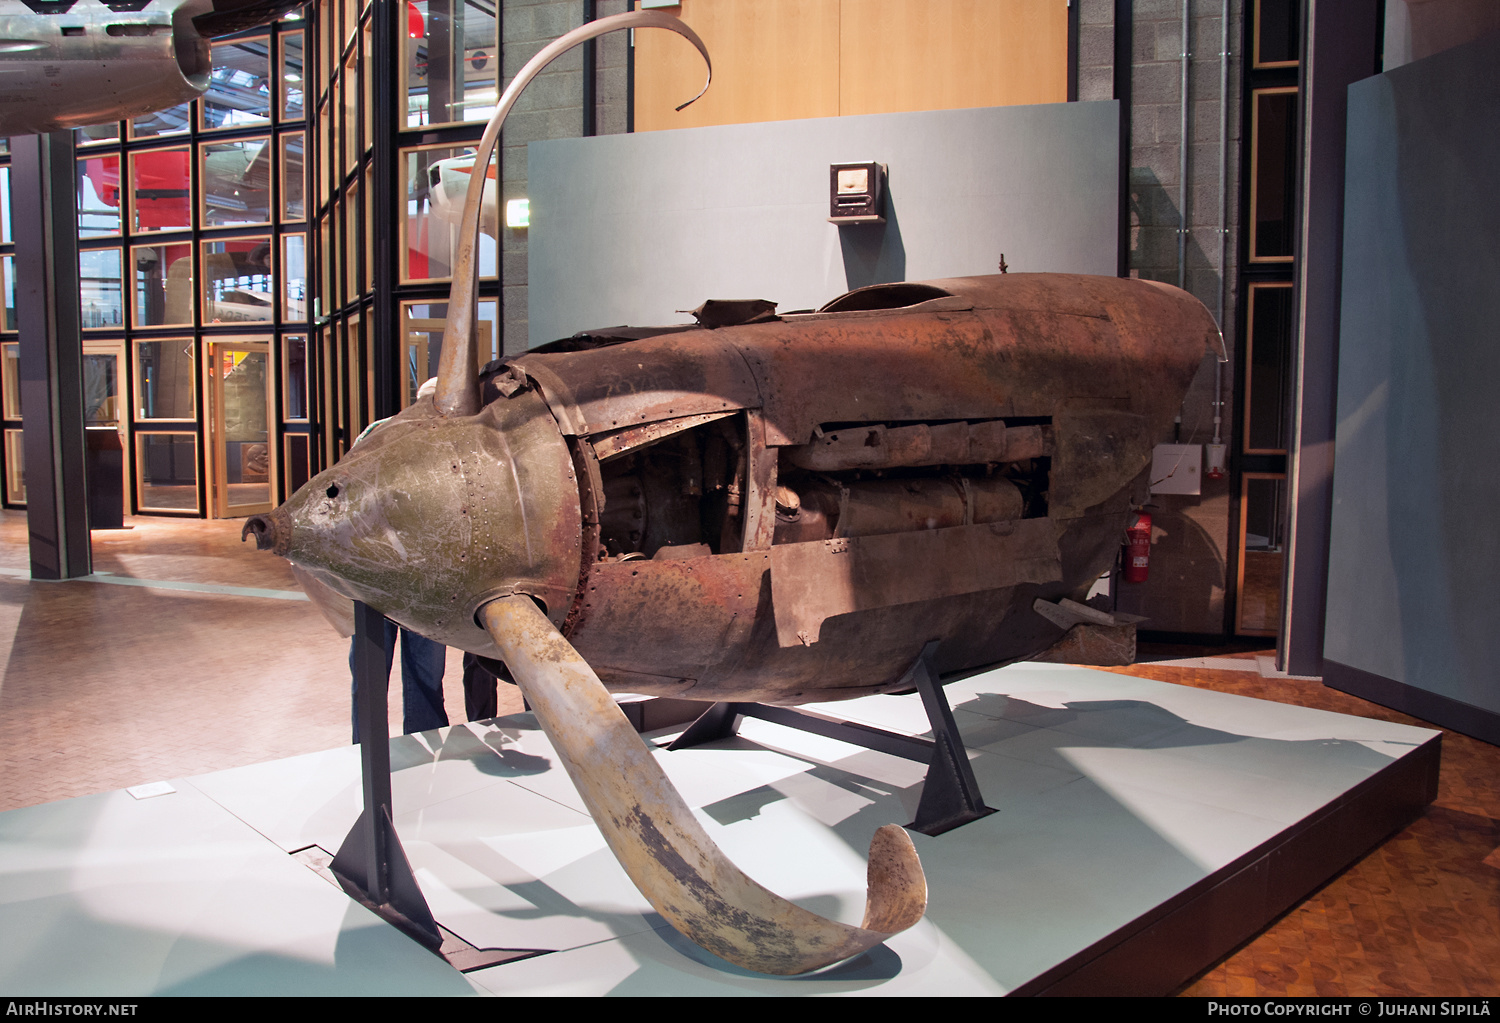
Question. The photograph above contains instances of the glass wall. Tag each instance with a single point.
(434, 180)
(279, 205)
(422, 326)
(13, 493)
(451, 60)
(387, 189)
(344, 156)
(192, 226)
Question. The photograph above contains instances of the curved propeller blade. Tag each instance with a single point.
(458, 366)
(657, 839)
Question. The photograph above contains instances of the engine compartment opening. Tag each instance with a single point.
(684, 495)
(884, 296)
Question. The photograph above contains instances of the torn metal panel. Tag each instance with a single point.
(1096, 448)
(672, 619)
(1067, 613)
(899, 295)
(617, 442)
(760, 494)
(720, 312)
(812, 582)
(662, 377)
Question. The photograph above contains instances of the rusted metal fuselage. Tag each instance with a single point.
(784, 511)
(789, 511)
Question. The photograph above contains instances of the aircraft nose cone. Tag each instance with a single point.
(273, 532)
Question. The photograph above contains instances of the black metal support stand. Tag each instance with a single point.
(371, 865)
(950, 795)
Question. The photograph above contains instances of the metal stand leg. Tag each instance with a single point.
(950, 795)
(371, 865)
(720, 721)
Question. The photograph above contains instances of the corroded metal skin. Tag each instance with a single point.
(659, 842)
(1002, 345)
(1095, 369)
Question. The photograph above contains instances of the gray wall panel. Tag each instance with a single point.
(631, 228)
(1415, 553)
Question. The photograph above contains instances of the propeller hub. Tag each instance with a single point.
(272, 532)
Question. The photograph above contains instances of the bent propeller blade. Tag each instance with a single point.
(655, 836)
(458, 387)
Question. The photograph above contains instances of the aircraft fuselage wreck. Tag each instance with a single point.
(784, 510)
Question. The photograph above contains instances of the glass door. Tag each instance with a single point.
(103, 405)
(101, 382)
(1262, 553)
(240, 454)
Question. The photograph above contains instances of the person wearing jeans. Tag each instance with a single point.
(422, 662)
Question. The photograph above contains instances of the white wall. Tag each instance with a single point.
(628, 229)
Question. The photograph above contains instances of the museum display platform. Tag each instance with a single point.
(1144, 830)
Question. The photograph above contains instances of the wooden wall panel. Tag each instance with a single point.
(900, 55)
(787, 59)
(774, 60)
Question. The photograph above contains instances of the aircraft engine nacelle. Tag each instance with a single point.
(85, 62)
(67, 72)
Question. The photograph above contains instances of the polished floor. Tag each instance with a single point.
(108, 685)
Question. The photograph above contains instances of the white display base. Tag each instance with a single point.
(1119, 799)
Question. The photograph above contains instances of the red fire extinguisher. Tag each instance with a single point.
(1138, 548)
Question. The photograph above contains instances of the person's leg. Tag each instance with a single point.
(422, 662)
(480, 693)
(390, 654)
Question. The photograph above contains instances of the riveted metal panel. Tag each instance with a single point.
(429, 517)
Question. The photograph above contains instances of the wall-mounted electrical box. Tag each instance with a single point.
(1177, 469)
(856, 193)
